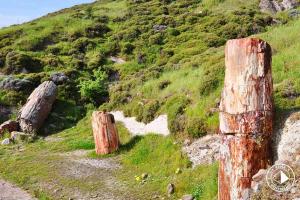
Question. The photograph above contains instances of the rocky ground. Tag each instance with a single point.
(11, 192)
(204, 150)
(158, 125)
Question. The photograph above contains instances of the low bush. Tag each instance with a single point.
(95, 90)
(195, 127)
(96, 30)
(17, 62)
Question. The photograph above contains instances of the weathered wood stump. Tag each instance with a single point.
(105, 133)
(36, 110)
(9, 126)
(246, 112)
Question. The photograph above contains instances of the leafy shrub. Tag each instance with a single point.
(95, 90)
(81, 44)
(195, 127)
(173, 32)
(163, 84)
(156, 39)
(175, 108)
(12, 98)
(96, 59)
(128, 48)
(96, 30)
(150, 110)
(102, 19)
(17, 62)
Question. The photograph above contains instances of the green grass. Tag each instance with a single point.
(156, 155)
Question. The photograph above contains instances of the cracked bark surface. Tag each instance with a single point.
(246, 112)
(105, 133)
(36, 110)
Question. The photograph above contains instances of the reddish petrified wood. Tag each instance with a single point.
(105, 133)
(36, 110)
(9, 126)
(246, 113)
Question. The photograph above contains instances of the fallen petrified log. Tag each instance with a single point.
(36, 110)
(246, 112)
(105, 132)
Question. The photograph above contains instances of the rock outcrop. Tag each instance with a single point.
(246, 113)
(36, 110)
(105, 133)
(205, 150)
(11, 83)
(274, 6)
(59, 78)
(289, 145)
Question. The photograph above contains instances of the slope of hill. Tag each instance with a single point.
(163, 43)
(174, 64)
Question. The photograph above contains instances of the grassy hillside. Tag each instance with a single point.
(174, 57)
(173, 52)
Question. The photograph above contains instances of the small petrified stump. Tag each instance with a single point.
(36, 110)
(105, 132)
(9, 126)
(246, 112)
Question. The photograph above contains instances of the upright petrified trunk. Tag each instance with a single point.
(36, 110)
(246, 112)
(105, 133)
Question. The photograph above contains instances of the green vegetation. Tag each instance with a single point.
(174, 53)
(155, 155)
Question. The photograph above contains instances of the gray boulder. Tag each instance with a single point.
(274, 6)
(11, 83)
(5, 141)
(59, 78)
(159, 28)
(187, 197)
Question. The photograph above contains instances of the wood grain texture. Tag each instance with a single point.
(36, 110)
(246, 113)
(105, 133)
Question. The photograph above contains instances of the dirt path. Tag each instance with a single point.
(157, 126)
(11, 192)
(87, 178)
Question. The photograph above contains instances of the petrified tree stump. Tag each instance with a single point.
(36, 110)
(105, 133)
(246, 112)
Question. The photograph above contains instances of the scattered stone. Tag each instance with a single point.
(289, 139)
(21, 137)
(59, 78)
(144, 176)
(258, 180)
(178, 171)
(159, 28)
(294, 13)
(187, 142)
(6, 141)
(187, 197)
(274, 6)
(261, 174)
(11, 83)
(9, 126)
(117, 60)
(204, 150)
(38, 106)
(170, 189)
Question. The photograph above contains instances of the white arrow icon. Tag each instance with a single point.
(283, 177)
